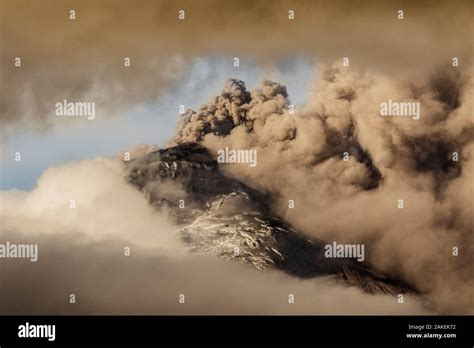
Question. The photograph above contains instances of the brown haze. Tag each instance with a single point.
(299, 156)
(83, 58)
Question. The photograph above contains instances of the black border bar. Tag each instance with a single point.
(242, 330)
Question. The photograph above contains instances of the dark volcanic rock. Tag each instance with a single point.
(224, 217)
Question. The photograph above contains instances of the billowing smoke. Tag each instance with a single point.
(300, 155)
(348, 169)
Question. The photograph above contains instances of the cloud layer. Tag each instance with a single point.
(81, 252)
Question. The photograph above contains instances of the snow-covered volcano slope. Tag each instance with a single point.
(221, 216)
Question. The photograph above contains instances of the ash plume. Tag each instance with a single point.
(301, 158)
(300, 155)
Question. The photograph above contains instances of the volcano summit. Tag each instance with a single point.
(228, 219)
